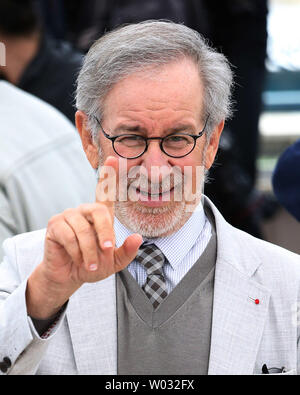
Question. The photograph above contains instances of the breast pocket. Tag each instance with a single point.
(290, 372)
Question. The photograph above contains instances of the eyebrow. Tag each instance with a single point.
(139, 129)
(180, 128)
(128, 128)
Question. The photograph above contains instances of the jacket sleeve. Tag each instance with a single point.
(21, 347)
(8, 226)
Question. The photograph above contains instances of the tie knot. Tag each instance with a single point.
(151, 257)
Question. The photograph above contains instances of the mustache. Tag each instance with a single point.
(142, 182)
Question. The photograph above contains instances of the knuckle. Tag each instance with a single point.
(105, 228)
(54, 220)
(69, 214)
(70, 211)
(101, 211)
(100, 208)
(84, 207)
(87, 207)
(94, 211)
(84, 229)
(71, 239)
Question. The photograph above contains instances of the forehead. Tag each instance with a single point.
(172, 90)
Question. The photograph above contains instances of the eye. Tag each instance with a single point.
(130, 140)
(178, 140)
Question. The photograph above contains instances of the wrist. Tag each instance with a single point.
(44, 298)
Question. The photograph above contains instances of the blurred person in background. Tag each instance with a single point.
(42, 168)
(36, 62)
(286, 180)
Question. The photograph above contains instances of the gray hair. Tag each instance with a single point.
(135, 47)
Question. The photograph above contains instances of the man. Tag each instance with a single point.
(35, 62)
(43, 169)
(150, 279)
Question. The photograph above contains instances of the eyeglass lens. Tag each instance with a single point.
(131, 146)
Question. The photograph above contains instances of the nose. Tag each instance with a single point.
(154, 155)
(155, 160)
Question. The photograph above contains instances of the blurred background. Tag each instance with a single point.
(279, 122)
(261, 38)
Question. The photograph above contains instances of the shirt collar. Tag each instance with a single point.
(189, 232)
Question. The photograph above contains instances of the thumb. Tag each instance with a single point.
(125, 254)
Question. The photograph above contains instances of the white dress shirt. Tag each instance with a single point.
(182, 249)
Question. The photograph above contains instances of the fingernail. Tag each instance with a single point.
(93, 267)
(107, 244)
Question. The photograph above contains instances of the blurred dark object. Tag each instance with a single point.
(87, 20)
(52, 74)
(41, 65)
(18, 17)
(238, 29)
(231, 189)
(286, 180)
(54, 17)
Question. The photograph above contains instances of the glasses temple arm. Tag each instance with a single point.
(103, 131)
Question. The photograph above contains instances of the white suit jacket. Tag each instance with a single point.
(43, 168)
(245, 335)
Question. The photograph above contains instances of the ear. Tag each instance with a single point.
(213, 145)
(90, 148)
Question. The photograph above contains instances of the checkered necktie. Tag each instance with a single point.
(153, 260)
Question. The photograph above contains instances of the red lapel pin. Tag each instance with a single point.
(256, 301)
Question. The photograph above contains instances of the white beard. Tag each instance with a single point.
(152, 221)
(162, 221)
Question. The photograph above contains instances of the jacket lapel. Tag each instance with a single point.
(238, 322)
(91, 317)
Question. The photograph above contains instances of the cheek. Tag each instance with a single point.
(192, 160)
(192, 169)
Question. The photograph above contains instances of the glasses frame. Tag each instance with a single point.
(113, 138)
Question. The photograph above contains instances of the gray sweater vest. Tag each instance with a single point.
(174, 338)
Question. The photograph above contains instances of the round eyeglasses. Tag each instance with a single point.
(132, 146)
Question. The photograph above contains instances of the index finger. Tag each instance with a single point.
(106, 190)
